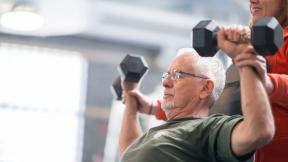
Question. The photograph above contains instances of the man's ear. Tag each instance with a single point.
(207, 89)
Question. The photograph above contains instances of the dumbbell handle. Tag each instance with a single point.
(244, 38)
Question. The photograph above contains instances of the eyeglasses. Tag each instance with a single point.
(175, 75)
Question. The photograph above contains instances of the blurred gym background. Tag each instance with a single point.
(58, 59)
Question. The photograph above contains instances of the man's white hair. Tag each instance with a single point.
(213, 69)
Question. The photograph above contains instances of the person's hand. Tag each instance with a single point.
(127, 99)
(250, 58)
(128, 86)
(145, 105)
(233, 39)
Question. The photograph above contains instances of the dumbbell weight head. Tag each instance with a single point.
(205, 38)
(116, 89)
(267, 36)
(132, 68)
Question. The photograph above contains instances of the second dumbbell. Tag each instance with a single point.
(132, 68)
(266, 37)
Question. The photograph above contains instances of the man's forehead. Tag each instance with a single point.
(187, 52)
(184, 61)
(187, 55)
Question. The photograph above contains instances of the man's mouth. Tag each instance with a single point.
(167, 95)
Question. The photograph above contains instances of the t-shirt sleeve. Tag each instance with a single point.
(220, 140)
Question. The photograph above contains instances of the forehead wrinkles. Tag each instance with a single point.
(186, 61)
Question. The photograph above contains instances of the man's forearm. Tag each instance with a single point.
(257, 128)
(130, 129)
(256, 107)
(258, 120)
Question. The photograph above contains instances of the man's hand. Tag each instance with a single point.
(231, 39)
(145, 105)
(129, 86)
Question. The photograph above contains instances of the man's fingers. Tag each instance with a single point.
(135, 93)
(246, 56)
(234, 33)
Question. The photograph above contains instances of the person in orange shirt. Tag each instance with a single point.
(276, 82)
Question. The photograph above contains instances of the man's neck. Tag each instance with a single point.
(198, 112)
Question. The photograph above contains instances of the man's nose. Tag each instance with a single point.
(167, 82)
(253, 1)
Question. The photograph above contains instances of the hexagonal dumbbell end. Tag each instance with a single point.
(132, 68)
(116, 89)
(204, 38)
(267, 36)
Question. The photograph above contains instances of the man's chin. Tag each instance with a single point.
(167, 106)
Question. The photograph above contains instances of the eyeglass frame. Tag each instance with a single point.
(178, 73)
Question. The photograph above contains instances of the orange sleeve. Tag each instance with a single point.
(279, 94)
(160, 114)
(278, 63)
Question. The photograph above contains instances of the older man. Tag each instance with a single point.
(191, 86)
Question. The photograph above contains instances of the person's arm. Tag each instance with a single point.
(276, 84)
(279, 93)
(257, 128)
(279, 64)
(130, 129)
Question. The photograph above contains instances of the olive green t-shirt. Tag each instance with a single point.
(186, 140)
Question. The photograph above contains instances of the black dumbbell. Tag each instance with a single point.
(116, 89)
(266, 37)
(132, 68)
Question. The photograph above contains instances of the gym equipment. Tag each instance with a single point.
(132, 68)
(266, 37)
(229, 102)
(116, 89)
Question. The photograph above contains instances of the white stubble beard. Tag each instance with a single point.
(168, 106)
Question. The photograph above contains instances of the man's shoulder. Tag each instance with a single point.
(223, 116)
(217, 119)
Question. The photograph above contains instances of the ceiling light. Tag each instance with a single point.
(22, 18)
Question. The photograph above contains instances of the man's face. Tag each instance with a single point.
(184, 91)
